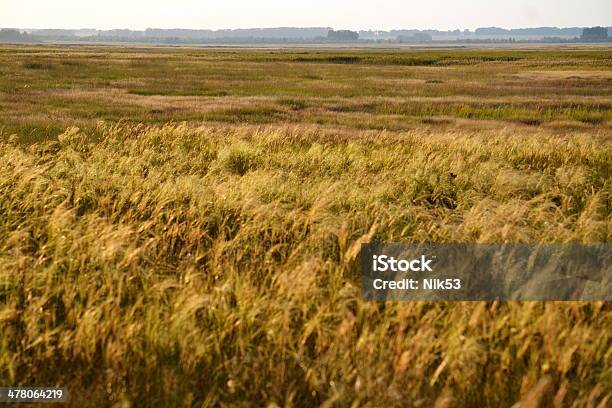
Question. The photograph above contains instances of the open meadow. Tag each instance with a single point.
(181, 226)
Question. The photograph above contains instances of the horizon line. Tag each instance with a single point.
(305, 27)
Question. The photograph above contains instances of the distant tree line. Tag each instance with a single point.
(415, 38)
(594, 34)
(314, 35)
(342, 35)
(12, 35)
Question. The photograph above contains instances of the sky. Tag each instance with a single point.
(338, 14)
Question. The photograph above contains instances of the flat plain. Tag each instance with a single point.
(180, 226)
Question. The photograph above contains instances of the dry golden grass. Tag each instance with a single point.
(198, 247)
(45, 89)
(215, 266)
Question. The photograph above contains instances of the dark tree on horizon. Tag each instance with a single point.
(594, 33)
(342, 35)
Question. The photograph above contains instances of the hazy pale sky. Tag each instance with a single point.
(352, 14)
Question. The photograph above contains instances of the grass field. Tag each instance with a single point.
(180, 226)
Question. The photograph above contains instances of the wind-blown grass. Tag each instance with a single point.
(213, 266)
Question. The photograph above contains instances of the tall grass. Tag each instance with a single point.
(45, 89)
(165, 266)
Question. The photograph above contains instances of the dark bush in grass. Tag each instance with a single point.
(38, 65)
(529, 121)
